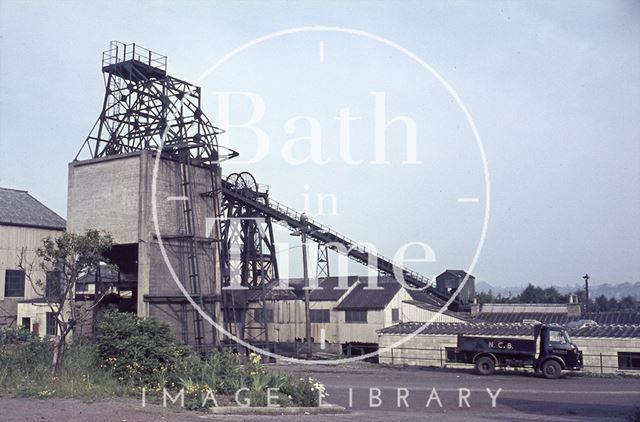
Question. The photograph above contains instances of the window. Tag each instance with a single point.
(26, 323)
(14, 283)
(258, 315)
(628, 360)
(82, 287)
(356, 317)
(52, 324)
(556, 336)
(53, 288)
(395, 314)
(320, 315)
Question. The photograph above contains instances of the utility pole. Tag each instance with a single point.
(586, 289)
(305, 272)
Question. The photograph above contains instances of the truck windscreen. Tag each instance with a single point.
(557, 336)
(567, 339)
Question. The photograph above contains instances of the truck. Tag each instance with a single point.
(549, 351)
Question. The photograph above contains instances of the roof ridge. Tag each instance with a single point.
(14, 190)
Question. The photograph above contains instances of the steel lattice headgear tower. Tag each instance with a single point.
(146, 112)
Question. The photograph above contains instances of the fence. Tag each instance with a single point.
(599, 363)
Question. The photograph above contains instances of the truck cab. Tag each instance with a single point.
(556, 351)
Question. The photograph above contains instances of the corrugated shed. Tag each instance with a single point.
(606, 331)
(602, 318)
(524, 307)
(502, 317)
(19, 208)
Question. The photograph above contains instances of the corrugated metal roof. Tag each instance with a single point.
(326, 290)
(524, 307)
(441, 328)
(607, 331)
(503, 317)
(19, 208)
(603, 318)
(613, 317)
(362, 297)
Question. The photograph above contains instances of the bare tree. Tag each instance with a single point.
(66, 258)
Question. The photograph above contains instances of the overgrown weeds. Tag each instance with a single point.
(130, 354)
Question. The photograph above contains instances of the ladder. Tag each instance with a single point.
(192, 251)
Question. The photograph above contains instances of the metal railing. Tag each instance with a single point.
(120, 52)
(439, 358)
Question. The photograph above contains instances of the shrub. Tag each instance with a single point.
(24, 358)
(222, 374)
(25, 369)
(142, 351)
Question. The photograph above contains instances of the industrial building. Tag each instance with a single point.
(24, 223)
(150, 173)
(610, 341)
(192, 244)
(344, 320)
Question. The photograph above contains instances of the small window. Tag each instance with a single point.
(26, 324)
(53, 288)
(320, 315)
(556, 336)
(52, 324)
(82, 287)
(395, 314)
(628, 360)
(14, 283)
(356, 317)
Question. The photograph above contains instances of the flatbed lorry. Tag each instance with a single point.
(549, 351)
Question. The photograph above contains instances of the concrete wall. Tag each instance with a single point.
(429, 350)
(421, 350)
(115, 194)
(601, 354)
(12, 240)
(104, 194)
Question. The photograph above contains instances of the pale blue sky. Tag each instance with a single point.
(554, 88)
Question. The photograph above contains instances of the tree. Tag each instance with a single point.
(629, 303)
(601, 304)
(63, 260)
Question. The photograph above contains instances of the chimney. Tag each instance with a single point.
(573, 307)
(475, 307)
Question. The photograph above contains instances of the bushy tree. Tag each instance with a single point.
(69, 256)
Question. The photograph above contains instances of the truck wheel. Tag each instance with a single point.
(551, 369)
(485, 365)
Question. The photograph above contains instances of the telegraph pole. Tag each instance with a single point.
(305, 272)
(586, 289)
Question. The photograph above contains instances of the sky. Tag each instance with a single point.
(552, 88)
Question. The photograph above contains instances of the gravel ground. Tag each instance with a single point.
(523, 398)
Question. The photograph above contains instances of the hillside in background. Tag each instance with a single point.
(617, 291)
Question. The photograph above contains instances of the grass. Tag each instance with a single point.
(87, 374)
(81, 377)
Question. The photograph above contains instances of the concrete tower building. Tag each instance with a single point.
(151, 134)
